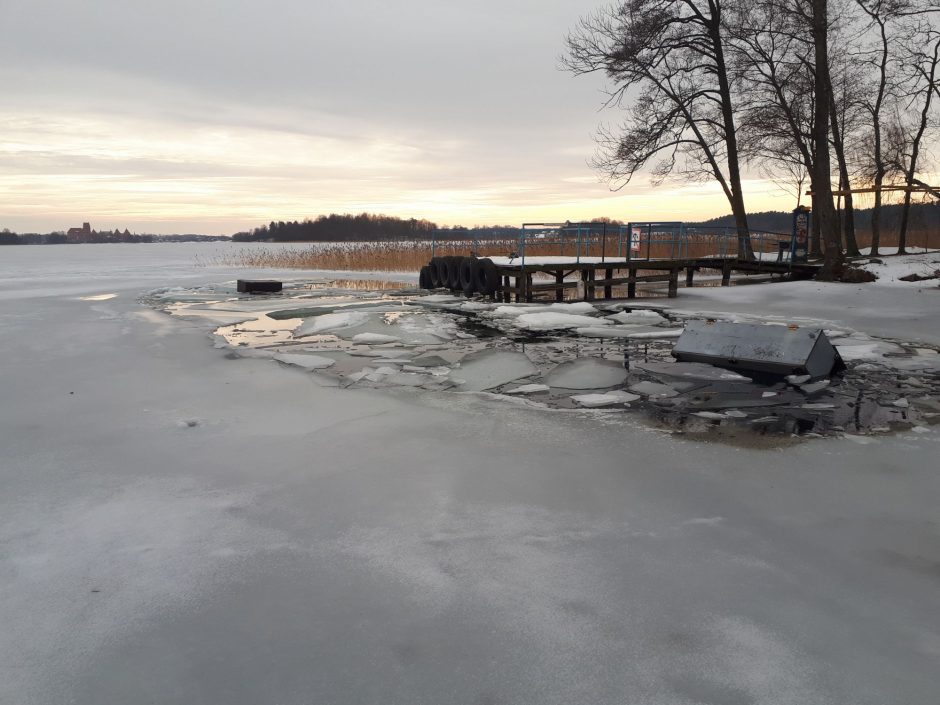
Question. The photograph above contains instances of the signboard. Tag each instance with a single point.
(799, 241)
(635, 234)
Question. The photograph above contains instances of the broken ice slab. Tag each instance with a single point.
(491, 368)
(579, 307)
(587, 373)
(308, 362)
(814, 387)
(595, 401)
(611, 331)
(653, 390)
(549, 320)
(374, 338)
(331, 323)
(528, 389)
(691, 370)
(430, 361)
(639, 317)
(769, 349)
(738, 395)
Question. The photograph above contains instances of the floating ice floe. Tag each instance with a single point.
(615, 331)
(374, 338)
(664, 333)
(814, 387)
(308, 362)
(580, 307)
(639, 317)
(712, 415)
(587, 373)
(692, 370)
(653, 390)
(592, 401)
(492, 368)
(528, 389)
(331, 322)
(557, 321)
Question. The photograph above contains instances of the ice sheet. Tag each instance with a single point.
(331, 323)
(640, 317)
(587, 373)
(556, 321)
(592, 401)
(308, 362)
(491, 368)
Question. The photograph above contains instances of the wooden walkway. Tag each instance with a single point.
(596, 280)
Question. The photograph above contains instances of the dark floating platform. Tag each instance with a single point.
(258, 286)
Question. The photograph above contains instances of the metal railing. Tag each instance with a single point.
(618, 242)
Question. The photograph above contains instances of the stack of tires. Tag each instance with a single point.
(468, 275)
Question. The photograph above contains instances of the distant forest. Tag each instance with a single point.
(923, 216)
(368, 227)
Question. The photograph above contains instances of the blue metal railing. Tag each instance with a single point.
(645, 241)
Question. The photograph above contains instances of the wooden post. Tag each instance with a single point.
(608, 290)
(631, 286)
(689, 274)
(726, 273)
(506, 292)
(585, 285)
(560, 281)
(673, 282)
(528, 287)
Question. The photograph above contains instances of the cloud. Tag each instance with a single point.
(218, 116)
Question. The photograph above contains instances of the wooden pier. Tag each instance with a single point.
(596, 280)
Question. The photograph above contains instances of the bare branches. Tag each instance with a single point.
(666, 63)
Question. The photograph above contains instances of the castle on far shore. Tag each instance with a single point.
(86, 234)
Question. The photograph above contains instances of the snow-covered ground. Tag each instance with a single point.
(180, 527)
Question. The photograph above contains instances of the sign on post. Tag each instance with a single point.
(799, 241)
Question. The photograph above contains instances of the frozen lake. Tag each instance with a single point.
(180, 527)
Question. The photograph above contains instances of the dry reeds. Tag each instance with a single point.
(410, 256)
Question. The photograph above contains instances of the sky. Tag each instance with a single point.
(219, 116)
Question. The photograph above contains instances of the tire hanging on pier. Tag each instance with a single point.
(453, 273)
(467, 280)
(485, 276)
(424, 278)
(436, 268)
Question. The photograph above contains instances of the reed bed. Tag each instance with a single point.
(410, 256)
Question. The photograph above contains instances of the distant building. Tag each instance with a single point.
(82, 234)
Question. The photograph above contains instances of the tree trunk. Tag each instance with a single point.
(745, 249)
(815, 246)
(915, 148)
(825, 210)
(848, 229)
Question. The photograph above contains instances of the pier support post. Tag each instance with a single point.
(673, 282)
(560, 281)
(726, 273)
(608, 290)
(689, 275)
(631, 285)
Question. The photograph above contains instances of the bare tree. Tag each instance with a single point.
(844, 114)
(669, 56)
(880, 57)
(772, 57)
(825, 212)
(922, 64)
